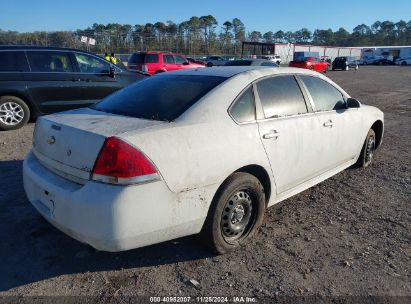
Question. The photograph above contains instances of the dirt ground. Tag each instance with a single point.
(347, 237)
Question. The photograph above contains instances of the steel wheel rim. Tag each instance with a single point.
(237, 216)
(11, 113)
(369, 150)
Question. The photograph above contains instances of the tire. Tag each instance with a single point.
(404, 63)
(367, 151)
(236, 213)
(14, 113)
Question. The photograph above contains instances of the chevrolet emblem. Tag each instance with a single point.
(51, 140)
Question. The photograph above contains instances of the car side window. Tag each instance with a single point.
(268, 64)
(281, 96)
(13, 62)
(179, 60)
(169, 59)
(325, 96)
(243, 109)
(49, 61)
(151, 58)
(92, 65)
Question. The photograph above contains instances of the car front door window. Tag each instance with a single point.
(91, 65)
(325, 96)
(179, 60)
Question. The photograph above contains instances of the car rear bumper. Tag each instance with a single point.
(112, 218)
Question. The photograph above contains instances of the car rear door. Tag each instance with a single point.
(95, 78)
(339, 125)
(289, 132)
(52, 81)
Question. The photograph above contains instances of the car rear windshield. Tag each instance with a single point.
(143, 58)
(163, 97)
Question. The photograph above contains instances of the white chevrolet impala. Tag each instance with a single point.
(195, 151)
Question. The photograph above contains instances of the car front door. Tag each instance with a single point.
(181, 62)
(169, 62)
(52, 81)
(289, 132)
(339, 125)
(95, 78)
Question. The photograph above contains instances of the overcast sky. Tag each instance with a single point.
(259, 15)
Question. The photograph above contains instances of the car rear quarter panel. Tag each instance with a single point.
(190, 156)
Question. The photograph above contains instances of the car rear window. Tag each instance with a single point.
(13, 62)
(143, 58)
(49, 61)
(163, 97)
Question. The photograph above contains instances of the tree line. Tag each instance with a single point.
(204, 35)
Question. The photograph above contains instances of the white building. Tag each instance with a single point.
(390, 52)
(286, 50)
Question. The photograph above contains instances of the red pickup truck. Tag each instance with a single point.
(311, 63)
(158, 62)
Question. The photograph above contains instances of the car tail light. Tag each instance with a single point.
(144, 68)
(122, 164)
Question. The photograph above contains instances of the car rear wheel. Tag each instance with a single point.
(367, 151)
(14, 113)
(236, 213)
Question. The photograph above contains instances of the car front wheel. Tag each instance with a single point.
(367, 151)
(14, 113)
(236, 213)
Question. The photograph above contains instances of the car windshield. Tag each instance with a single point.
(163, 97)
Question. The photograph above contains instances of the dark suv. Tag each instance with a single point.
(344, 63)
(42, 80)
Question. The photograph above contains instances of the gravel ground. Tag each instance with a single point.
(348, 236)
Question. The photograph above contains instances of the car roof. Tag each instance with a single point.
(35, 47)
(156, 52)
(230, 71)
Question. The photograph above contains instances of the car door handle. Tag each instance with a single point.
(272, 134)
(328, 124)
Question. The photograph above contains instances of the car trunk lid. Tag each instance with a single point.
(68, 143)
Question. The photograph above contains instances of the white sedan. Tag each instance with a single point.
(195, 151)
(403, 61)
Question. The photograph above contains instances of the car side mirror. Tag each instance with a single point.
(112, 72)
(352, 103)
